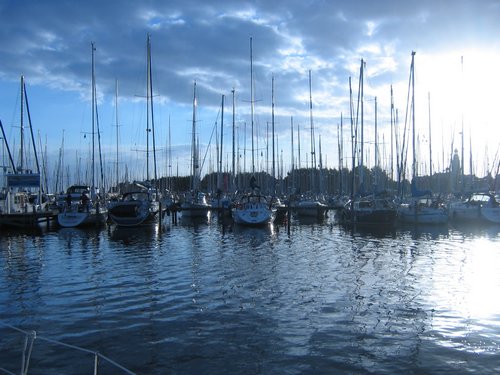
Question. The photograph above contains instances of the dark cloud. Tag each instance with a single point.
(210, 41)
(49, 42)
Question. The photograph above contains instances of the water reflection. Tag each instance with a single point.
(425, 231)
(35, 231)
(195, 221)
(460, 280)
(76, 237)
(305, 220)
(203, 297)
(130, 236)
(253, 236)
(22, 258)
(370, 231)
(476, 230)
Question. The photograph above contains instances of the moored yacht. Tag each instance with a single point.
(376, 210)
(309, 207)
(423, 210)
(253, 210)
(478, 206)
(80, 207)
(195, 205)
(134, 208)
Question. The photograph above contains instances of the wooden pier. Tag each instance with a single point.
(26, 219)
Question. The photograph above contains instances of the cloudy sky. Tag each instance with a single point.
(457, 45)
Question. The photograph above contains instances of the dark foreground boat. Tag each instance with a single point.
(370, 210)
(135, 208)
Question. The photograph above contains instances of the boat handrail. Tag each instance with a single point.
(28, 347)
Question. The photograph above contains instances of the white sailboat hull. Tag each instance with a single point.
(461, 212)
(191, 209)
(479, 207)
(253, 214)
(422, 215)
(72, 219)
(311, 209)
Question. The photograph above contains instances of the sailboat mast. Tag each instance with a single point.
(320, 166)
(430, 136)
(234, 145)
(148, 72)
(21, 165)
(93, 113)
(267, 143)
(313, 149)
(376, 137)
(291, 147)
(392, 135)
(272, 131)
(412, 71)
(194, 156)
(252, 104)
(62, 164)
(169, 156)
(353, 140)
(341, 152)
(463, 156)
(95, 129)
(298, 145)
(31, 130)
(117, 133)
(221, 143)
(44, 161)
(362, 94)
(150, 94)
(470, 163)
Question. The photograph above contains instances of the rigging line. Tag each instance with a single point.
(99, 143)
(152, 107)
(210, 140)
(31, 129)
(494, 160)
(404, 150)
(359, 112)
(8, 149)
(353, 140)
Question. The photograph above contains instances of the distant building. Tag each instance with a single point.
(455, 172)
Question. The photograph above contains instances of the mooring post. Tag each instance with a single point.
(288, 216)
(160, 216)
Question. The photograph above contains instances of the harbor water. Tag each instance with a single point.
(207, 298)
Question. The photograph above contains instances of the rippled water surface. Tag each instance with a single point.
(201, 298)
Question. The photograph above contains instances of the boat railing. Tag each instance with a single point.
(31, 336)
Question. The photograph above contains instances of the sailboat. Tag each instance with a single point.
(377, 208)
(134, 207)
(79, 209)
(254, 209)
(195, 205)
(421, 208)
(22, 203)
(308, 205)
(491, 211)
(141, 205)
(471, 209)
(82, 204)
(221, 201)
